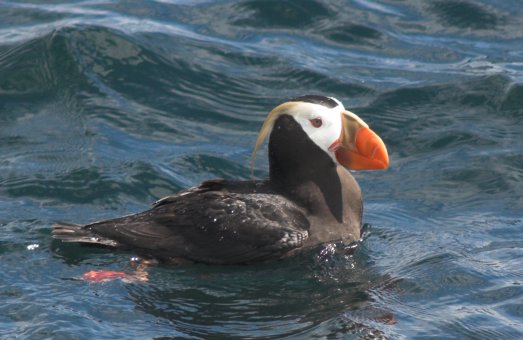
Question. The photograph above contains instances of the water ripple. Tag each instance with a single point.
(107, 106)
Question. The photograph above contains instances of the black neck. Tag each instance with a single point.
(298, 167)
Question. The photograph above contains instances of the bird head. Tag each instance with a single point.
(344, 136)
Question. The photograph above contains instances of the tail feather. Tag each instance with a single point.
(67, 232)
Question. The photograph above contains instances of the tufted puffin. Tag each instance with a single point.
(310, 197)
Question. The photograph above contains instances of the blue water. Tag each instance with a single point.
(107, 106)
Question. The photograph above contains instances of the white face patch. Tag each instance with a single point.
(308, 114)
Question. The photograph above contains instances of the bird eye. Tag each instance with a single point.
(316, 122)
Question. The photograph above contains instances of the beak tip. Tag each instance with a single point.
(382, 156)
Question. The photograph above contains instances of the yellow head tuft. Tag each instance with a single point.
(268, 124)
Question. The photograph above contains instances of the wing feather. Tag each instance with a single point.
(213, 226)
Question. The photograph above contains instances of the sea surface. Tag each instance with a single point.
(107, 106)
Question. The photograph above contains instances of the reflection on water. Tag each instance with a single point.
(106, 107)
(315, 295)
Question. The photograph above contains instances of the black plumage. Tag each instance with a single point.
(316, 99)
(216, 222)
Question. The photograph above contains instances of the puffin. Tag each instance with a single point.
(309, 199)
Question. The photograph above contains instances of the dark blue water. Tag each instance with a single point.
(108, 106)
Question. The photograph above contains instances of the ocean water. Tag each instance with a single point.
(106, 106)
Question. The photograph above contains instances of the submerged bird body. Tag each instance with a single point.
(310, 198)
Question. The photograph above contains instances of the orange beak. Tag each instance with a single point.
(359, 148)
